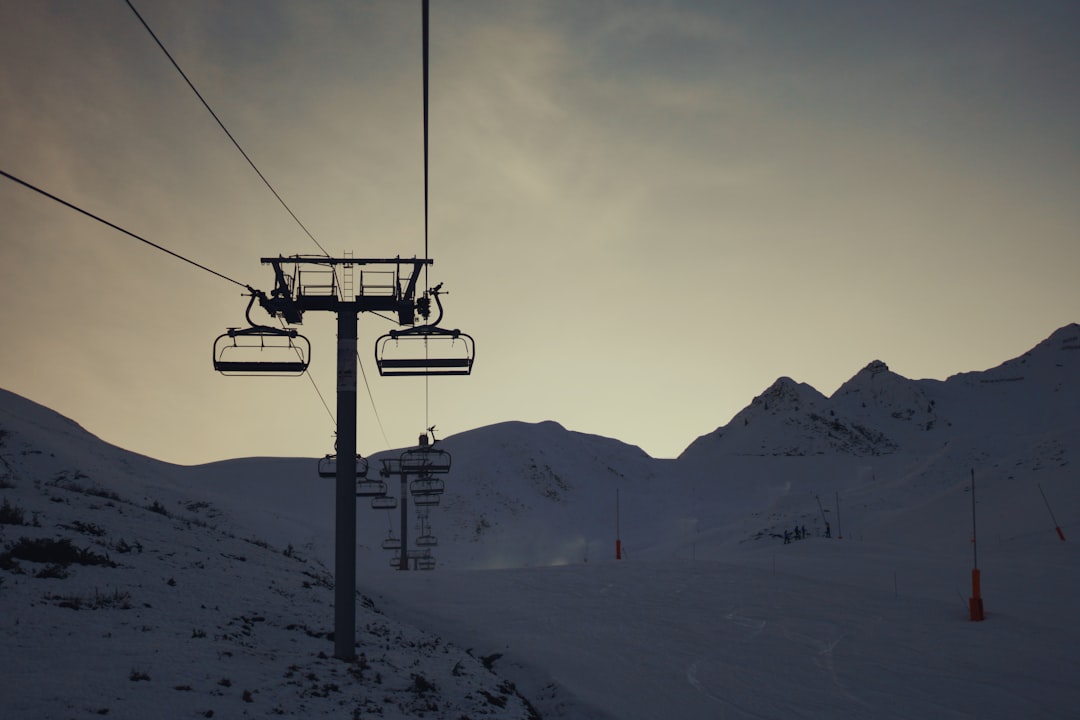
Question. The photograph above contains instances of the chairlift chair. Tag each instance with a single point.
(425, 350)
(383, 502)
(425, 563)
(261, 350)
(426, 500)
(370, 488)
(391, 542)
(328, 466)
(427, 486)
(427, 541)
(425, 460)
(395, 561)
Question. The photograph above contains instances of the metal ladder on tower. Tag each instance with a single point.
(347, 292)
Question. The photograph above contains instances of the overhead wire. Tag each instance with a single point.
(114, 226)
(425, 33)
(266, 182)
(224, 129)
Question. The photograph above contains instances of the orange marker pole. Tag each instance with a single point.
(1056, 526)
(618, 542)
(975, 603)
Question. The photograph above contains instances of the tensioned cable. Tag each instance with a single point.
(319, 393)
(114, 226)
(265, 182)
(225, 129)
(427, 380)
(371, 397)
(425, 54)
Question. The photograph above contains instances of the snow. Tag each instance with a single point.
(218, 592)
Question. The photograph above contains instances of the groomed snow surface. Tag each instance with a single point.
(130, 588)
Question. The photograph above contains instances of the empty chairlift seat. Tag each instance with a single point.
(328, 466)
(261, 350)
(425, 350)
(370, 488)
(427, 486)
(425, 460)
(383, 502)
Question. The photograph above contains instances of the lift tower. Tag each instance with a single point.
(310, 283)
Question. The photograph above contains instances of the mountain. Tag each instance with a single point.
(122, 596)
(878, 412)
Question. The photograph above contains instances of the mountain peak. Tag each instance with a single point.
(875, 367)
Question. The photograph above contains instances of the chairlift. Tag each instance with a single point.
(425, 563)
(427, 541)
(425, 460)
(261, 349)
(383, 502)
(425, 349)
(390, 467)
(395, 561)
(370, 488)
(426, 500)
(427, 486)
(391, 542)
(328, 466)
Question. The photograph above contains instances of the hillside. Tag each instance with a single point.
(121, 597)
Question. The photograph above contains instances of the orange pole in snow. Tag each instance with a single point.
(975, 603)
(618, 542)
(1056, 526)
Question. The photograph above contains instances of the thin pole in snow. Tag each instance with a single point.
(1056, 525)
(975, 603)
(839, 532)
(618, 541)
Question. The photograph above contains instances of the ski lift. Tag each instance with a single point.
(370, 488)
(427, 486)
(261, 349)
(395, 561)
(390, 467)
(427, 541)
(425, 460)
(328, 466)
(425, 563)
(383, 502)
(425, 349)
(426, 500)
(391, 542)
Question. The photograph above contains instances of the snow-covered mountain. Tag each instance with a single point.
(206, 586)
(878, 412)
(122, 596)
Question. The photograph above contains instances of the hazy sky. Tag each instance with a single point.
(644, 212)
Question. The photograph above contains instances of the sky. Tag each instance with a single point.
(643, 212)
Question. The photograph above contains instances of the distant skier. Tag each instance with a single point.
(828, 532)
(804, 532)
(787, 538)
(797, 535)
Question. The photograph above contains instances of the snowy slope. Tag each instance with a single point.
(120, 597)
